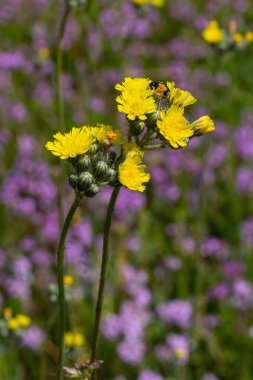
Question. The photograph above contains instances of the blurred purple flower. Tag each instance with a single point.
(33, 338)
(176, 312)
(149, 375)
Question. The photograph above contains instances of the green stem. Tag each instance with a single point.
(60, 275)
(154, 147)
(58, 67)
(103, 273)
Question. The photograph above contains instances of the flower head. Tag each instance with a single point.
(180, 97)
(71, 144)
(203, 125)
(107, 135)
(173, 126)
(73, 339)
(213, 34)
(136, 98)
(131, 173)
(156, 3)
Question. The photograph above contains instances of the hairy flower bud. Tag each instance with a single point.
(85, 180)
(92, 190)
(84, 163)
(101, 171)
(136, 127)
(73, 180)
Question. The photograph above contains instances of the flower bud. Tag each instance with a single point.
(151, 122)
(136, 127)
(73, 180)
(84, 163)
(92, 190)
(94, 148)
(111, 155)
(84, 181)
(101, 171)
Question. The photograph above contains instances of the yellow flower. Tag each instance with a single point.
(23, 320)
(68, 280)
(212, 34)
(179, 97)
(7, 312)
(249, 36)
(73, 339)
(136, 98)
(180, 353)
(203, 125)
(71, 144)
(105, 134)
(131, 173)
(156, 3)
(43, 53)
(174, 128)
(238, 37)
(13, 324)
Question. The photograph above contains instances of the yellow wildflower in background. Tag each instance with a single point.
(238, 37)
(13, 324)
(73, 339)
(249, 36)
(213, 34)
(156, 3)
(44, 53)
(179, 97)
(23, 320)
(68, 280)
(136, 98)
(106, 134)
(173, 126)
(71, 144)
(131, 173)
(203, 125)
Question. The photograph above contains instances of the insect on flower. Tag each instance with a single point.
(160, 88)
(82, 370)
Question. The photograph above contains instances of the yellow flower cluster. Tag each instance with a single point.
(156, 3)
(155, 111)
(136, 99)
(131, 173)
(73, 339)
(20, 321)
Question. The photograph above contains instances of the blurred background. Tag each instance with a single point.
(179, 296)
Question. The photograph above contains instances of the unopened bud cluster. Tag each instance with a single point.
(93, 170)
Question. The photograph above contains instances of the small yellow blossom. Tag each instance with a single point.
(174, 127)
(43, 53)
(73, 339)
(156, 3)
(203, 125)
(131, 173)
(180, 97)
(7, 312)
(180, 353)
(13, 324)
(136, 98)
(238, 37)
(23, 320)
(68, 280)
(106, 134)
(213, 34)
(71, 144)
(249, 36)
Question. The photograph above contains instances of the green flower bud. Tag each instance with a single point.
(73, 180)
(85, 180)
(94, 148)
(83, 163)
(101, 171)
(92, 190)
(136, 127)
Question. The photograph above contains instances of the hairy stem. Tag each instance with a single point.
(154, 147)
(103, 273)
(60, 275)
